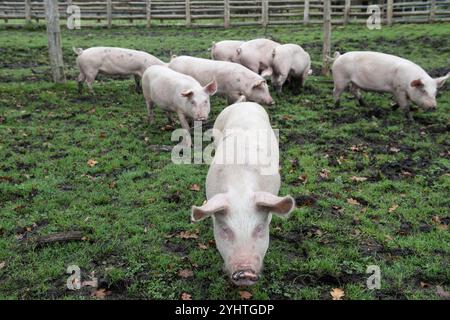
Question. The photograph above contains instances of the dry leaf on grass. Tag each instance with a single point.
(202, 246)
(194, 187)
(245, 295)
(2, 264)
(185, 296)
(91, 162)
(337, 293)
(358, 179)
(324, 174)
(100, 293)
(303, 179)
(424, 284)
(188, 234)
(393, 208)
(353, 201)
(90, 283)
(185, 273)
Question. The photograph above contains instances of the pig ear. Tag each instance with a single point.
(440, 81)
(267, 73)
(216, 204)
(211, 88)
(260, 82)
(238, 51)
(281, 206)
(187, 93)
(416, 83)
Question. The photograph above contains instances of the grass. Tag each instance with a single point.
(134, 202)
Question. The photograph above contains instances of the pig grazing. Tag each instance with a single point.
(176, 92)
(112, 61)
(290, 62)
(243, 195)
(233, 80)
(226, 50)
(382, 72)
(257, 55)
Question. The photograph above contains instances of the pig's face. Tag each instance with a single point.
(423, 93)
(241, 230)
(259, 93)
(197, 101)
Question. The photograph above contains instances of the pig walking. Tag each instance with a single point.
(113, 61)
(233, 80)
(176, 92)
(257, 55)
(242, 194)
(382, 72)
(226, 50)
(290, 62)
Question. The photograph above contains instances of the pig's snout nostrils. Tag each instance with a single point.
(249, 275)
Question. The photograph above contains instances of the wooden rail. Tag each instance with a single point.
(228, 12)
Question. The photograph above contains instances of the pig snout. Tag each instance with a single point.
(244, 276)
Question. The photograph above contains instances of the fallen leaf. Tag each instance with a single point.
(337, 293)
(245, 295)
(194, 187)
(167, 127)
(185, 273)
(90, 283)
(188, 234)
(303, 179)
(102, 135)
(202, 246)
(2, 264)
(442, 293)
(353, 201)
(358, 179)
(91, 162)
(112, 185)
(92, 111)
(394, 149)
(324, 173)
(185, 296)
(100, 293)
(424, 284)
(393, 208)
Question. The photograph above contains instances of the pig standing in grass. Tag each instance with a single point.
(233, 80)
(226, 50)
(382, 72)
(243, 195)
(176, 92)
(112, 61)
(257, 55)
(290, 62)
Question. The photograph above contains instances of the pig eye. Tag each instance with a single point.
(226, 233)
(259, 230)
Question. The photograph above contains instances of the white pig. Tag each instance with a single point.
(112, 61)
(243, 195)
(257, 55)
(233, 80)
(225, 50)
(176, 92)
(290, 62)
(382, 72)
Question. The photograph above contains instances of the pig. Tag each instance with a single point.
(225, 50)
(233, 80)
(176, 92)
(290, 62)
(257, 55)
(112, 61)
(382, 72)
(243, 195)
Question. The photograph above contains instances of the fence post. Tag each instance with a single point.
(432, 11)
(226, 13)
(390, 12)
(347, 7)
(54, 41)
(265, 12)
(306, 13)
(109, 13)
(27, 11)
(326, 36)
(148, 6)
(188, 13)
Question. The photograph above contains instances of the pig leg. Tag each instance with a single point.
(402, 101)
(357, 92)
(150, 115)
(339, 87)
(185, 126)
(81, 78)
(170, 117)
(137, 81)
(90, 78)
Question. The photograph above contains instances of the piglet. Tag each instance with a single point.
(376, 71)
(112, 61)
(242, 189)
(176, 92)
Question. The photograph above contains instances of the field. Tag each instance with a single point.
(371, 188)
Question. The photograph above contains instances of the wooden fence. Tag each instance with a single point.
(229, 12)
